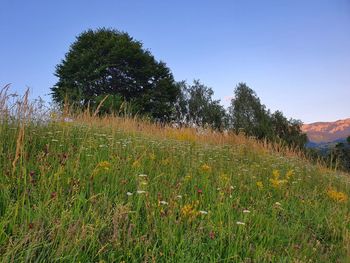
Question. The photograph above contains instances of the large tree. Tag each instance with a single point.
(248, 114)
(106, 61)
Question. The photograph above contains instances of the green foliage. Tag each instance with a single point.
(196, 106)
(249, 115)
(340, 156)
(106, 61)
(79, 193)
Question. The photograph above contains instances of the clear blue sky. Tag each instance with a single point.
(294, 53)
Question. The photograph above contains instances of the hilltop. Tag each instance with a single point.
(324, 132)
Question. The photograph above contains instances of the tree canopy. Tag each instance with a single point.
(109, 62)
(196, 106)
(249, 115)
(106, 61)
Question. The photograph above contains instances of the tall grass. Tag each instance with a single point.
(87, 189)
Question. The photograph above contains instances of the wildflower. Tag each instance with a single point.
(205, 168)
(203, 212)
(246, 211)
(278, 203)
(163, 202)
(260, 184)
(224, 179)
(212, 234)
(53, 195)
(179, 196)
(240, 223)
(142, 175)
(289, 174)
(104, 165)
(275, 174)
(143, 183)
(141, 192)
(277, 183)
(188, 211)
(337, 196)
(136, 164)
(232, 187)
(199, 191)
(54, 140)
(129, 193)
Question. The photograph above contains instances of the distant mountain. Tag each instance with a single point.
(324, 132)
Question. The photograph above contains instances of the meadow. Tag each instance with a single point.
(91, 189)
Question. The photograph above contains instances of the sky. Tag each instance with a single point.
(294, 54)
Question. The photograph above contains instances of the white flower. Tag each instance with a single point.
(203, 212)
(278, 203)
(54, 140)
(218, 188)
(163, 202)
(240, 223)
(142, 175)
(141, 192)
(179, 196)
(246, 211)
(232, 187)
(129, 194)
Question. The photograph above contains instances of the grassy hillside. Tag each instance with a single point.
(114, 190)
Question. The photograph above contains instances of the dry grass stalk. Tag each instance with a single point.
(99, 106)
(23, 114)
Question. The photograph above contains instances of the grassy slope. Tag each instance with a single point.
(66, 199)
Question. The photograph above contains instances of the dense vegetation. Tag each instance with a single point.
(107, 68)
(335, 155)
(108, 62)
(90, 189)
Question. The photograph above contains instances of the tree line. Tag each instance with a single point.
(109, 62)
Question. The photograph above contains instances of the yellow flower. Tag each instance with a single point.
(104, 165)
(275, 181)
(337, 196)
(136, 164)
(260, 184)
(188, 177)
(276, 174)
(289, 174)
(189, 211)
(205, 168)
(224, 179)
